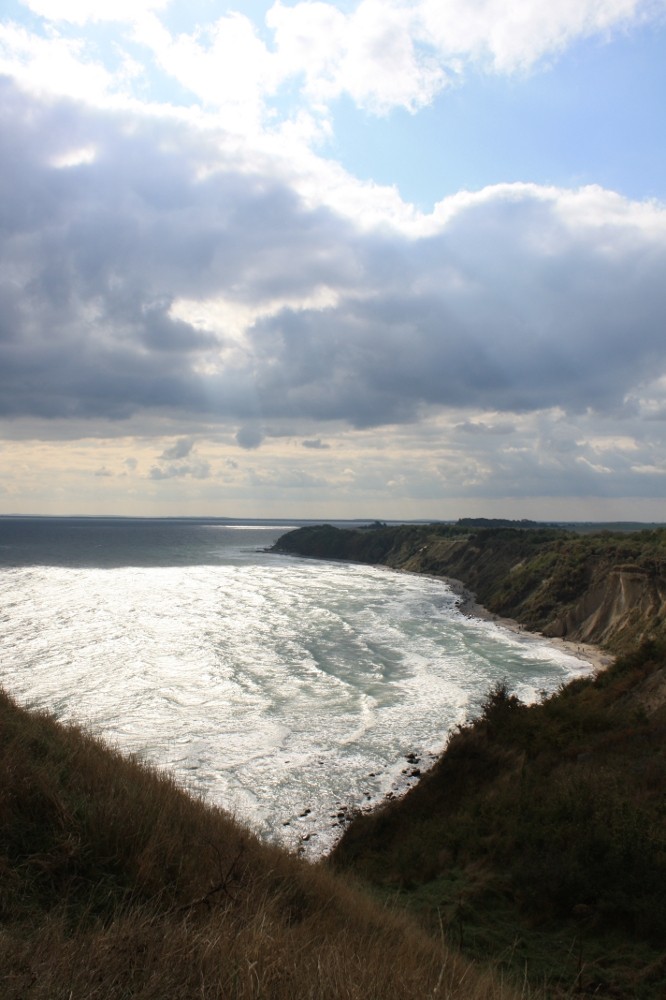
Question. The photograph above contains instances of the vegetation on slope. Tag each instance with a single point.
(540, 836)
(114, 883)
(607, 588)
(538, 841)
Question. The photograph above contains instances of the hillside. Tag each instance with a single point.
(539, 838)
(604, 588)
(115, 884)
(536, 846)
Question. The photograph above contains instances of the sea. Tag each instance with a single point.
(290, 691)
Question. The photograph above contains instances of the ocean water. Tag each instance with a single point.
(280, 688)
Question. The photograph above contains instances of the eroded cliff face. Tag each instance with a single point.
(621, 604)
(607, 589)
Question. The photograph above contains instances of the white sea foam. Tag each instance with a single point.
(271, 685)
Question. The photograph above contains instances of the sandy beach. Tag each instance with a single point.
(598, 658)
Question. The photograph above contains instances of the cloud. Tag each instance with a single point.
(513, 299)
(369, 54)
(197, 469)
(52, 64)
(82, 11)
(249, 437)
(510, 35)
(171, 466)
(177, 265)
(526, 298)
(649, 470)
(289, 479)
(180, 449)
(385, 54)
(479, 427)
(168, 283)
(380, 54)
(225, 65)
(316, 444)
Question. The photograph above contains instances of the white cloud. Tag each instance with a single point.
(225, 66)
(649, 470)
(310, 38)
(382, 54)
(369, 54)
(233, 318)
(48, 65)
(511, 35)
(83, 11)
(394, 53)
(76, 157)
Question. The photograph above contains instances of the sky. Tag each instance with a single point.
(402, 259)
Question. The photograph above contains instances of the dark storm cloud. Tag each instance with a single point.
(522, 300)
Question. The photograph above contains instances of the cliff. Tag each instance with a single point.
(538, 840)
(604, 588)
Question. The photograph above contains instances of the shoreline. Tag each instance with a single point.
(598, 658)
(419, 761)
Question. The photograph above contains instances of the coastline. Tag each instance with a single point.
(417, 762)
(598, 658)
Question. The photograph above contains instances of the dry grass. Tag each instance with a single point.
(114, 883)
